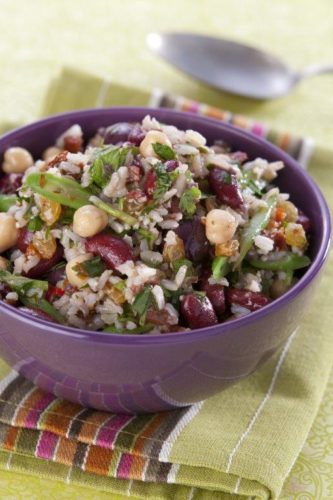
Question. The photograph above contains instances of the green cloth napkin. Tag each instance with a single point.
(245, 440)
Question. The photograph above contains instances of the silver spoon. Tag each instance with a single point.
(231, 66)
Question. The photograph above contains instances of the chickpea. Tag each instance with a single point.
(51, 153)
(17, 160)
(220, 226)
(4, 264)
(89, 220)
(76, 279)
(8, 232)
(153, 137)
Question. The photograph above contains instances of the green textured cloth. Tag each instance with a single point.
(245, 440)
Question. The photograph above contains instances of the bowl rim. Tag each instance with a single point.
(200, 333)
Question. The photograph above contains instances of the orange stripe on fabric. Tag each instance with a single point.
(28, 405)
(11, 436)
(59, 417)
(98, 460)
(65, 451)
(137, 467)
(215, 113)
(90, 428)
(240, 121)
(283, 141)
(147, 432)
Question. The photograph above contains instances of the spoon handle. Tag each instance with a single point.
(315, 69)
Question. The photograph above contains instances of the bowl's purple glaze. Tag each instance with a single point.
(134, 374)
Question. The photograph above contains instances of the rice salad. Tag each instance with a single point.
(145, 229)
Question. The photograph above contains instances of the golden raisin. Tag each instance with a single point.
(116, 295)
(227, 249)
(50, 211)
(174, 251)
(295, 235)
(45, 246)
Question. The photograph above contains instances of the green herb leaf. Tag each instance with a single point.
(43, 305)
(142, 302)
(163, 181)
(289, 262)
(92, 268)
(147, 235)
(67, 216)
(188, 200)
(7, 201)
(164, 151)
(65, 191)
(21, 284)
(35, 224)
(108, 161)
(109, 209)
(177, 264)
(220, 267)
(258, 222)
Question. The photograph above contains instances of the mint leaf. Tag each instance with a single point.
(107, 162)
(92, 268)
(142, 302)
(188, 200)
(164, 152)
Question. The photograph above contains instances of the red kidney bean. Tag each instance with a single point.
(225, 185)
(197, 312)
(215, 293)
(24, 239)
(117, 133)
(159, 318)
(304, 220)
(193, 234)
(136, 135)
(72, 143)
(4, 289)
(55, 275)
(171, 165)
(44, 265)
(250, 300)
(150, 183)
(34, 311)
(113, 250)
(10, 183)
(279, 240)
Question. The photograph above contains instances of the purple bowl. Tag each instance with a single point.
(139, 374)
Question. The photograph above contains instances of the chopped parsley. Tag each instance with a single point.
(92, 268)
(188, 200)
(108, 161)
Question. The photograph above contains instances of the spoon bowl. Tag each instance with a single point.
(228, 65)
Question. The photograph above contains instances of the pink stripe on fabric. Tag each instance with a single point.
(194, 107)
(258, 129)
(110, 430)
(35, 413)
(124, 467)
(46, 445)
